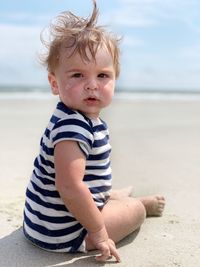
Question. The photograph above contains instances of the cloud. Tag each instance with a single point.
(18, 54)
(156, 78)
(19, 39)
(150, 13)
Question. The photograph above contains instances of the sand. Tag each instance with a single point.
(156, 148)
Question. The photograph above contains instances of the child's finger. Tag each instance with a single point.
(115, 253)
(105, 251)
(105, 254)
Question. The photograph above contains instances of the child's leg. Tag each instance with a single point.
(154, 205)
(123, 216)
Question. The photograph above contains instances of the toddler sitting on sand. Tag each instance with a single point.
(70, 205)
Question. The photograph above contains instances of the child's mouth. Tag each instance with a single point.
(91, 100)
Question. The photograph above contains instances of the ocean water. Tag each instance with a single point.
(44, 92)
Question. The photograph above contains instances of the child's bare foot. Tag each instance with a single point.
(154, 205)
(120, 193)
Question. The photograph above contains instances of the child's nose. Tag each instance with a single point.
(91, 84)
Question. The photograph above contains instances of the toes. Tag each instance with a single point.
(160, 205)
(161, 200)
(160, 208)
(159, 212)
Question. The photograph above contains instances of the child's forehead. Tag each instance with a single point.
(102, 62)
(85, 55)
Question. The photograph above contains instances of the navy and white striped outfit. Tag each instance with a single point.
(47, 222)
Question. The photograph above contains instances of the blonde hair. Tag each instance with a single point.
(71, 31)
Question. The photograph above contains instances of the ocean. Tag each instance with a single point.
(44, 92)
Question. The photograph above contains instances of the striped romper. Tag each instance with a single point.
(47, 222)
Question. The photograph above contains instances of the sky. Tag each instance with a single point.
(160, 46)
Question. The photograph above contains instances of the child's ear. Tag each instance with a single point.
(53, 83)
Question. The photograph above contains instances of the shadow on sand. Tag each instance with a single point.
(16, 251)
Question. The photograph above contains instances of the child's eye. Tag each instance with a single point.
(77, 75)
(103, 75)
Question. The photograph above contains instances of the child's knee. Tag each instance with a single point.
(135, 211)
(138, 212)
(141, 210)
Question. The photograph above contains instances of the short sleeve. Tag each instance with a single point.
(75, 128)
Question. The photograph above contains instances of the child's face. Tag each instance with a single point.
(84, 86)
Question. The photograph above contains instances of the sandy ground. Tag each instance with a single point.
(156, 148)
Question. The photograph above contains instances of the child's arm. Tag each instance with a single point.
(70, 168)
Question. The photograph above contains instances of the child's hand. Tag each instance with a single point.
(104, 244)
(107, 249)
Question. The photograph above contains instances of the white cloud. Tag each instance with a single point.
(152, 70)
(17, 40)
(18, 54)
(155, 78)
(148, 13)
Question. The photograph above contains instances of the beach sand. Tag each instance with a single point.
(156, 149)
